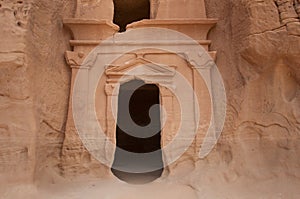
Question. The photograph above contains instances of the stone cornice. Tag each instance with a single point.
(195, 28)
(90, 29)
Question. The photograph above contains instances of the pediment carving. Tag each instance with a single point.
(147, 68)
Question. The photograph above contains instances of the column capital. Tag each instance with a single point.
(74, 59)
(110, 89)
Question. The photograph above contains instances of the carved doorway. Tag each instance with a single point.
(138, 131)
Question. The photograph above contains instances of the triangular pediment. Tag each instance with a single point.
(140, 66)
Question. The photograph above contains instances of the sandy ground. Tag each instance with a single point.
(282, 187)
(110, 190)
(100, 190)
(269, 189)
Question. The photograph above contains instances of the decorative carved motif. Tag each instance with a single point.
(206, 60)
(147, 69)
(110, 89)
(74, 59)
(150, 69)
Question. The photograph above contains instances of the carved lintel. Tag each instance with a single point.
(74, 59)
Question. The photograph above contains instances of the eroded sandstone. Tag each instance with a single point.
(257, 44)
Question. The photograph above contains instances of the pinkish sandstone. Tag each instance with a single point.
(256, 47)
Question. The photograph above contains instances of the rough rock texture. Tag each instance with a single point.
(259, 59)
(46, 41)
(34, 86)
(17, 133)
(258, 44)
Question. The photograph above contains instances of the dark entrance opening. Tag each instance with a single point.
(128, 11)
(139, 166)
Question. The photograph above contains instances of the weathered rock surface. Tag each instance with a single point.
(17, 123)
(258, 44)
(259, 64)
(46, 42)
(34, 86)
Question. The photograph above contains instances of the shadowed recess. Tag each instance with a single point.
(140, 102)
(128, 11)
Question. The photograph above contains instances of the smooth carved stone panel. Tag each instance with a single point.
(195, 28)
(90, 29)
(177, 9)
(95, 9)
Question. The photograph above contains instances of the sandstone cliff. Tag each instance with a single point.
(258, 44)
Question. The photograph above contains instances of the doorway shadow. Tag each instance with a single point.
(132, 152)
